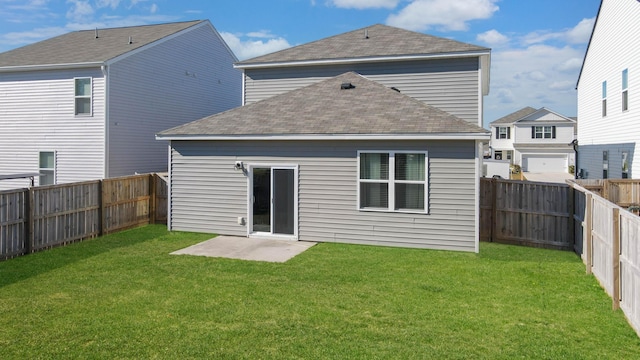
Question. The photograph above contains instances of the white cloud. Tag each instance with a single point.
(581, 32)
(249, 48)
(445, 15)
(108, 3)
(80, 10)
(536, 76)
(263, 34)
(577, 35)
(154, 8)
(364, 4)
(492, 38)
(26, 37)
(562, 85)
(570, 65)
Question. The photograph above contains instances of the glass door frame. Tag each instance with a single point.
(271, 234)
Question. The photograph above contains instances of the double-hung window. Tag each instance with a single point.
(625, 89)
(503, 133)
(543, 132)
(83, 96)
(393, 181)
(47, 167)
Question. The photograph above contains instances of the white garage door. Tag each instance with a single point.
(544, 163)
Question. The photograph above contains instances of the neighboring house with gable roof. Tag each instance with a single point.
(341, 145)
(539, 140)
(609, 95)
(87, 104)
(450, 75)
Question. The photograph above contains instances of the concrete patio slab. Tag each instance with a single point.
(243, 248)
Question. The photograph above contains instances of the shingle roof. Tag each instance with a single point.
(326, 109)
(515, 116)
(83, 47)
(382, 41)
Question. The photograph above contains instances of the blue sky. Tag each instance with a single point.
(537, 46)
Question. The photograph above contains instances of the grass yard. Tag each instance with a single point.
(123, 296)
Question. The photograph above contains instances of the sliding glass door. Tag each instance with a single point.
(273, 200)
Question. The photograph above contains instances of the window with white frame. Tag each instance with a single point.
(543, 132)
(47, 168)
(83, 96)
(503, 133)
(393, 181)
(604, 98)
(625, 89)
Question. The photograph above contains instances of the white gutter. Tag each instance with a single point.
(361, 60)
(435, 136)
(50, 67)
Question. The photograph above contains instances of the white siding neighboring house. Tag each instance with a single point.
(356, 156)
(537, 140)
(87, 104)
(609, 94)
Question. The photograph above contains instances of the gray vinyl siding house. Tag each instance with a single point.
(209, 195)
(314, 142)
(444, 73)
(139, 81)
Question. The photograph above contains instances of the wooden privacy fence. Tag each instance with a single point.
(575, 217)
(43, 217)
(608, 240)
(526, 213)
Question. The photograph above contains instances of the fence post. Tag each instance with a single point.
(588, 216)
(152, 198)
(572, 214)
(494, 211)
(101, 221)
(616, 258)
(28, 226)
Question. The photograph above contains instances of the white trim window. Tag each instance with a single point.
(625, 89)
(393, 181)
(47, 167)
(83, 94)
(503, 132)
(604, 98)
(543, 132)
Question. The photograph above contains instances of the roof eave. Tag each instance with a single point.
(307, 137)
(362, 59)
(21, 68)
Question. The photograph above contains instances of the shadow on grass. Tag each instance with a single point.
(24, 267)
(511, 253)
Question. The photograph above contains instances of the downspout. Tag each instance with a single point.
(105, 73)
(575, 162)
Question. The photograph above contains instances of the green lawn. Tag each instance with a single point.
(123, 296)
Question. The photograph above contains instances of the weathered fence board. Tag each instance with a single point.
(13, 223)
(125, 202)
(611, 245)
(630, 267)
(64, 213)
(526, 213)
(602, 243)
(43, 217)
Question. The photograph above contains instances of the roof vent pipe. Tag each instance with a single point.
(366, 33)
(130, 40)
(347, 86)
(96, 33)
